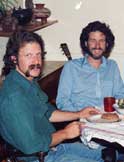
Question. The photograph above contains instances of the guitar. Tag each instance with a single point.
(65, 50)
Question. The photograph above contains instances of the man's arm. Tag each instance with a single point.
(64, 88)
(72, 130)
(59, 116)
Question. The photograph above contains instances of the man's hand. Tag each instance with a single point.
(88, 111)
(73, 130)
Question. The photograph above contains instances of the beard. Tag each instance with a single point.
(94, 56)
(31, 67)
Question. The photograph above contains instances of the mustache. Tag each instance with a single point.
(31, 67)
(97, 49)
(35, 66)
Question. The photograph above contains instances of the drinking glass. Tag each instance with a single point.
(108, 104)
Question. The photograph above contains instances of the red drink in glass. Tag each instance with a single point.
(108, 104)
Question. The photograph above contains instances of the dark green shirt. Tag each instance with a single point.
(24, 114)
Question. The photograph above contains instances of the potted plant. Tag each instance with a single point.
(12, 15)
(6, 5)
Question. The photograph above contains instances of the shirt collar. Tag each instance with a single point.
(22, 80)
(103, 65)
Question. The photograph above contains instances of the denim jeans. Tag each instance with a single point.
(74, 152)
(70, 152)
(120, 157)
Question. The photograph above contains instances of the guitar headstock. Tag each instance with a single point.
(65, 50)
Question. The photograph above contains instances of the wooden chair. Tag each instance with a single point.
(10, 154)
(49, 85)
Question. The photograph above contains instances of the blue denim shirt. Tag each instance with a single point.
(82, 85)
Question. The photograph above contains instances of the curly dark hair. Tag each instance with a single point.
(97, 26)
(15, 42)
